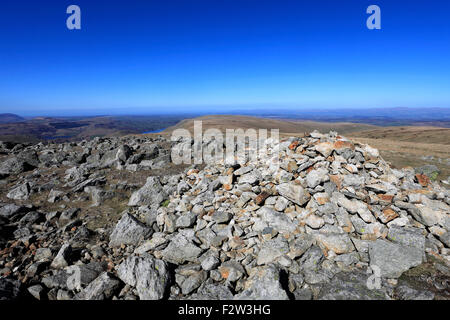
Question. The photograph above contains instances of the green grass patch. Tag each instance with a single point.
(165, 203)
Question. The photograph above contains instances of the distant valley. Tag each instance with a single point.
(78, 128)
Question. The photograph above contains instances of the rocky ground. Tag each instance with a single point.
(113, 218)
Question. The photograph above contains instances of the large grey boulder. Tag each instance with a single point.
(180, 250)
(10, 210)
(271, 250)
(12, 166)
(151, 193)
(82, 275)
(209, 291)
(311, 265)
(445, 238)
(103, 287)
(29, 157)
(410, 237)
(21, 192)
(129, 231)
(316, 177)
(263, 284)
(56, 280)
(63, 257)
(299, 245)
(423, 214)
(221, 216)
(393, 259)
(277, 220)
(351, 286)
(186, 220)
(25, 161)
(190, 278)
(123, 153)
(43, 254)
(149, 275)
(116, 156)
(37, 291)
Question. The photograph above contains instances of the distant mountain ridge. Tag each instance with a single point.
(10, 118)
(77, 128)
(400, 116)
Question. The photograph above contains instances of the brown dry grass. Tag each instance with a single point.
(410, 146)
(420, 135)
(293, 127)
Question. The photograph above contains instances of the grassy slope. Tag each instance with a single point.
(411, 146)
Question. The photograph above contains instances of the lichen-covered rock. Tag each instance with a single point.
(103, 287)
(21, 192)
(393, 259)
(180, 250)
(263, 284)
(147, 274)
(129, 231)
(294, 192)
(279, 221)
(151, 193)
(63, 257)
(351, 286)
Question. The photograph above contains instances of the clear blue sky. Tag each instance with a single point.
(148, 56)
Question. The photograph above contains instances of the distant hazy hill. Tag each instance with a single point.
(436, 117)
(286, 127)
(10, 117)
(77, 128)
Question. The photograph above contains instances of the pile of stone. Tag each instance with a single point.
(334, 221)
